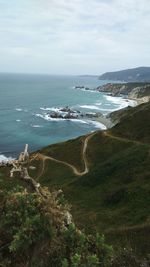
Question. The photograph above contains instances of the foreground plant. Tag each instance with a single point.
(38, 231)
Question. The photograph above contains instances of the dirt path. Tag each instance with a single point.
(74, 169)
(84, 151)
(108, 134)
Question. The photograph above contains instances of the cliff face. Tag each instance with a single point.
(140, 92)
(114, 89)
(131, 90)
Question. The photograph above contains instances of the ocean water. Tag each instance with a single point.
(26, 99)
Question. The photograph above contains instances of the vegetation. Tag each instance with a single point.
(112, 198)
(61, 151)
(135, 124)
(36, 231)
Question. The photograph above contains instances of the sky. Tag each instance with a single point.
(74, 37)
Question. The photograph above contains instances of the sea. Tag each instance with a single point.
(26, 100)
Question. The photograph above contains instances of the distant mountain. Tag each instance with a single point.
(141, 74)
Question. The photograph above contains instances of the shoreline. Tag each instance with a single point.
(141, 100)
(108, 122)
(105, 120)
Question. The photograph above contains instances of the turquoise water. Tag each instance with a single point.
(23, 121)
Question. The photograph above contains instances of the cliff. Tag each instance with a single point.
(131, 90)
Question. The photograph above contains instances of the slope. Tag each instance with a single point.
(113, 196)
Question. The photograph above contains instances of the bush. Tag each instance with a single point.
(40, 233)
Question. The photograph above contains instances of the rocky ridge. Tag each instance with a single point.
(130, 90)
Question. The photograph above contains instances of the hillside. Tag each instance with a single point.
(141, 74)
(134, 122)
(112, 196)
(118, 178)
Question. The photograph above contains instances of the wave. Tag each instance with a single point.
(18, 109)
(90, 91)
(78, 120)
(36, 126)
(90, 107)
(121, 102)
(98, 125)
(3, 158)
(51, 109)
(98, 103)
(48, 118)
(108, 109)
(18, 120)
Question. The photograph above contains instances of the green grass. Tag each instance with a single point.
(135, 125)
(56, 175)
(70, 151)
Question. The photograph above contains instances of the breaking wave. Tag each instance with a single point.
(3, 158)
(36, 126)
(48, 118)
(120, 102)
(18, 109)
(90, 107)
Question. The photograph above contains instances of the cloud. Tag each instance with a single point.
(61, 36)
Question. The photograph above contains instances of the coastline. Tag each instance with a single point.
(104, 121)
(108, 122)
(141, 100)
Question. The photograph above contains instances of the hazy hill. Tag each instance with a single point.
(141, 74)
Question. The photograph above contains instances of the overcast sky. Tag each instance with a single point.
(74, 36)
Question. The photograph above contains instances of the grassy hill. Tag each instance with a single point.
(135, 124)
(113, 197)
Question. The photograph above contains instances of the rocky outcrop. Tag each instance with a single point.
(114, 89)
(130, 90)
(140, 92)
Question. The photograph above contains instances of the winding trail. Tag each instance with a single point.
(74, 169)
(84, 154)
(108, 134)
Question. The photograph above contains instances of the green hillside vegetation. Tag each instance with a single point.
(135, 124)
(64, 152)
(113, 197)
(37, 230)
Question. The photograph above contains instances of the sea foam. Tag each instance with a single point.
(3, 158)
(48, 118)
(121, 102)
(36, 126)
(18, 109)
(98, 125)
(90, 107)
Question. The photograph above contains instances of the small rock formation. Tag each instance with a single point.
(79, 87)
(68, 113)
